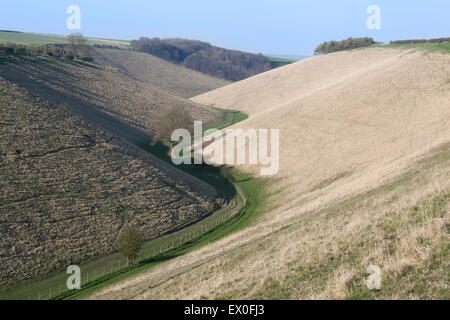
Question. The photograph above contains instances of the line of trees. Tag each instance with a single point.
(348, 44)
(437, 40)
(76, 48)
(203, 57)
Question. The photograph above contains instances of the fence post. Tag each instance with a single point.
(50, 293)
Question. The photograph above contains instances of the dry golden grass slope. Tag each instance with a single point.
(161, 74)
(364, 179)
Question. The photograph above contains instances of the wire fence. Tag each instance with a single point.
(94, 275)
(103, 269)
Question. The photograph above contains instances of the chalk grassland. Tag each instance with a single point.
(68, 187)
(166, 76)
(43, 39)
(324, 253)
(101, 94)
(443, 47)
(364, 179)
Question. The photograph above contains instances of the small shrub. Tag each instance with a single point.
(69, 57)
(226, 172)
(209, 207)
(220, 202)
(350, 43)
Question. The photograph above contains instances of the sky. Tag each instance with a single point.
(290, 27)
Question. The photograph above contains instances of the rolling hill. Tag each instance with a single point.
(68, 186)
(364, 180)
(161, 74)
(218, 62)
(28, 38)
(101, 94)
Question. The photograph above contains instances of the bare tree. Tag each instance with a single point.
(77, 44)
(168, 121)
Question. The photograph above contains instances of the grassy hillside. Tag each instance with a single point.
(101, 94)
(364, 180)
(42, 39)
(159, 73)
(68, 187)
(443, 47)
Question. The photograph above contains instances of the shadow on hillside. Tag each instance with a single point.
(89, 111)
(205, 172)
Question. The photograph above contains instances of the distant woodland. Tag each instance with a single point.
(350, 43)
(438, 40)
(204, 57)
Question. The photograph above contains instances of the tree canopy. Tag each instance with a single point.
(129, 241)
(348, 44)
(201, 56)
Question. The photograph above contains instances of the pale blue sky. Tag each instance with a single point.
(269, 26)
